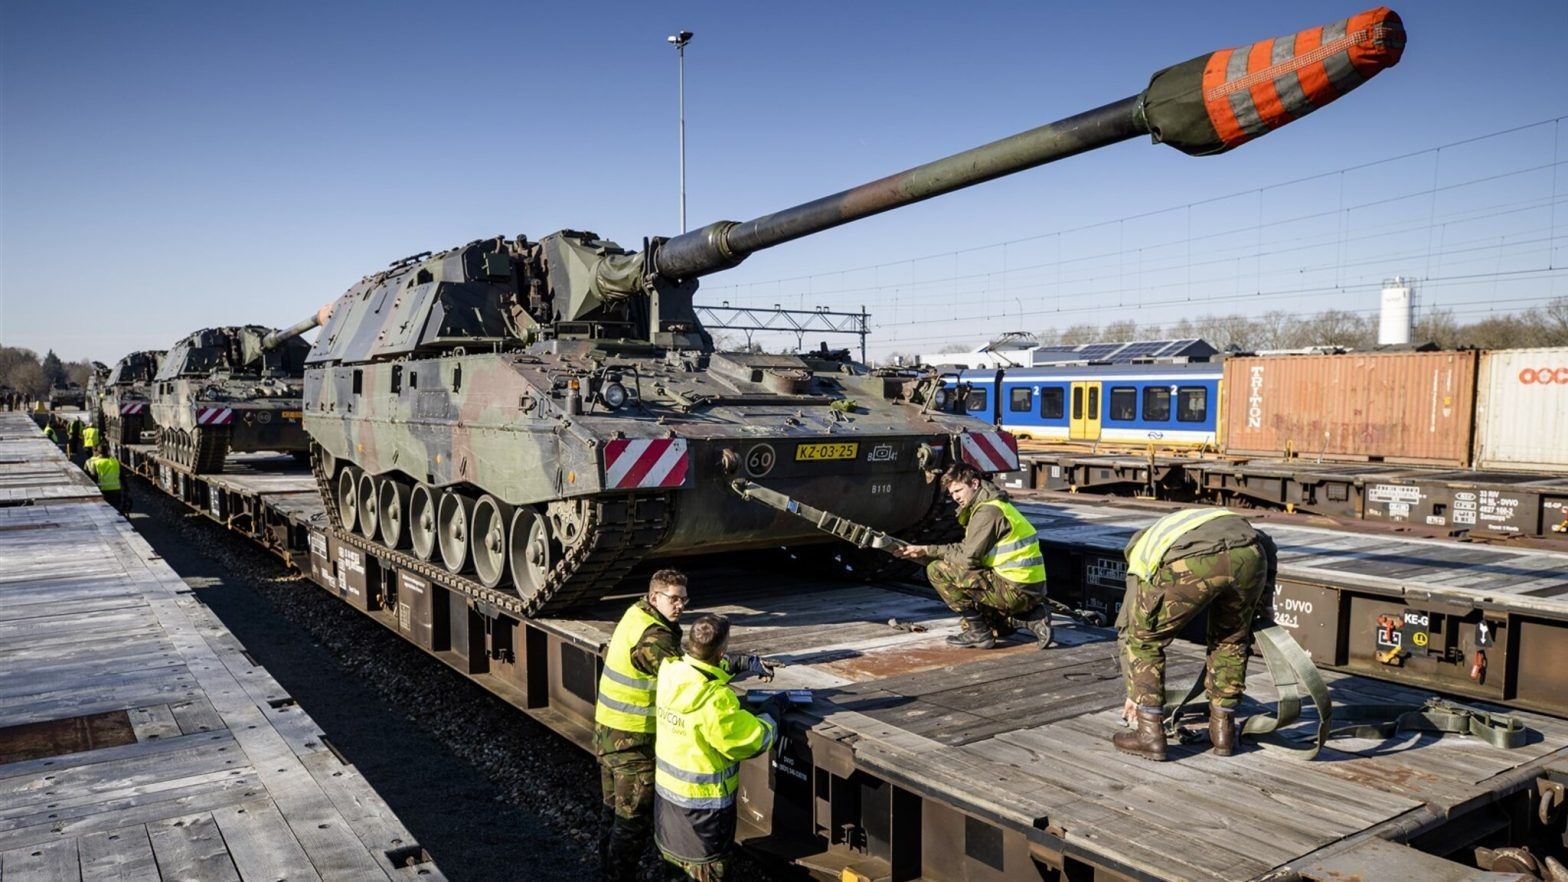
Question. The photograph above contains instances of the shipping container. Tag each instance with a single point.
(1522, 410)
(1411, 407)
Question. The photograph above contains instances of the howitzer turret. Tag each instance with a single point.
(548, 413)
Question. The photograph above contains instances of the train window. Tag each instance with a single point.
(1156, 403)
(1020, 399)
(1124, 403)
(1051, 401)
(1192, 404)
(1094, 402)
(976, 400)
(1077, 403)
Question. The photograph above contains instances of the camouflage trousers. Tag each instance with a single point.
(1227, 583)
(983, 591)
(716, 870)
(626, 783)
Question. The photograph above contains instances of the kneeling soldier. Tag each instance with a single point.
(995, 578)
(1183, 563)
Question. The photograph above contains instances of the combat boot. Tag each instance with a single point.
(1147, 739)
(1001, 626)
(976, 633)
(1037, 622)
(1222, 730)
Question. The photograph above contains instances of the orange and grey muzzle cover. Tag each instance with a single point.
(1224, 99)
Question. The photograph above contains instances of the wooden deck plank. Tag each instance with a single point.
(261, 844)
(123, 855)
(192, 847)
(44, 862)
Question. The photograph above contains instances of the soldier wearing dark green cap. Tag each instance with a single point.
(1184, 563)
(995, 577)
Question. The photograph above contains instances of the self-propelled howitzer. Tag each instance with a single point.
(233, 389)
(549, 413)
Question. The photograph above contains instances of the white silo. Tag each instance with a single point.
(1394, 322)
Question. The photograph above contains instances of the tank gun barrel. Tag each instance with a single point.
(274, 339)
(1204, 106)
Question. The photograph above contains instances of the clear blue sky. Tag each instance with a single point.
(169, 166)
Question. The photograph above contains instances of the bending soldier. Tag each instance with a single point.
(995, 578)
(703, 734)
(105, 471)
(1188, 561)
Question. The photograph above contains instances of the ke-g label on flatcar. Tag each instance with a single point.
(291, 414)
(817, 452)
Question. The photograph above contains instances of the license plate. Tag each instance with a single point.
(818, 452)
(291, 414)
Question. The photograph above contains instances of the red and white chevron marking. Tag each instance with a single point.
(630, 464)
(214, 416)
(990, 451)
(133, 407)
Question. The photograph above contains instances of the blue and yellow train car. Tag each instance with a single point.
(1169, 405)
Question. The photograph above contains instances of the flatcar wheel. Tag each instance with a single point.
(392, 512)
(368, 513)
(348, 497)
(533, 552)
(489, 531)
(452, 518)
(422, 521)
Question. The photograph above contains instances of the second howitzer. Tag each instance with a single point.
(234, 389)
(548, 413)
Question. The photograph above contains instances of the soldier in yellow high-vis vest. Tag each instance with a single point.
(1184, 563)
(995, 578)
(703, 734)
(105, 471)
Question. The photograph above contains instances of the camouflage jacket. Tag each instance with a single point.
(984, 526)
(1217, 535)
(661, 641)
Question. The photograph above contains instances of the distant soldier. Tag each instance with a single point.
(995, 578)
(90, 435)
(648, 635)
(1183, 563)
(105, 471)
(703, 734)
(55, 433)
(75, 433)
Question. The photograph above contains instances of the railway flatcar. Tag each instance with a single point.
(1171, 405)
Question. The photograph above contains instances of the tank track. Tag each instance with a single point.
(204, 454)
(621, 530)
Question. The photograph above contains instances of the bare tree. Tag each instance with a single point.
(1437, 326)
(1078, 335)
(1120, 331)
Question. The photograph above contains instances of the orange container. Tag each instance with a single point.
(1394, 406)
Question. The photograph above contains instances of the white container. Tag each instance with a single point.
(1522, 410)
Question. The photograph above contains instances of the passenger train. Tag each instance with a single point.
(1172, 404)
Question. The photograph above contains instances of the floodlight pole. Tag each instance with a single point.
(679, 41)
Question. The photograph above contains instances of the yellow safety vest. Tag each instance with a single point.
(703, 735)
(106, 471)
(1144, 558)
(90, 437)
(1017, 557)
(625, 693)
